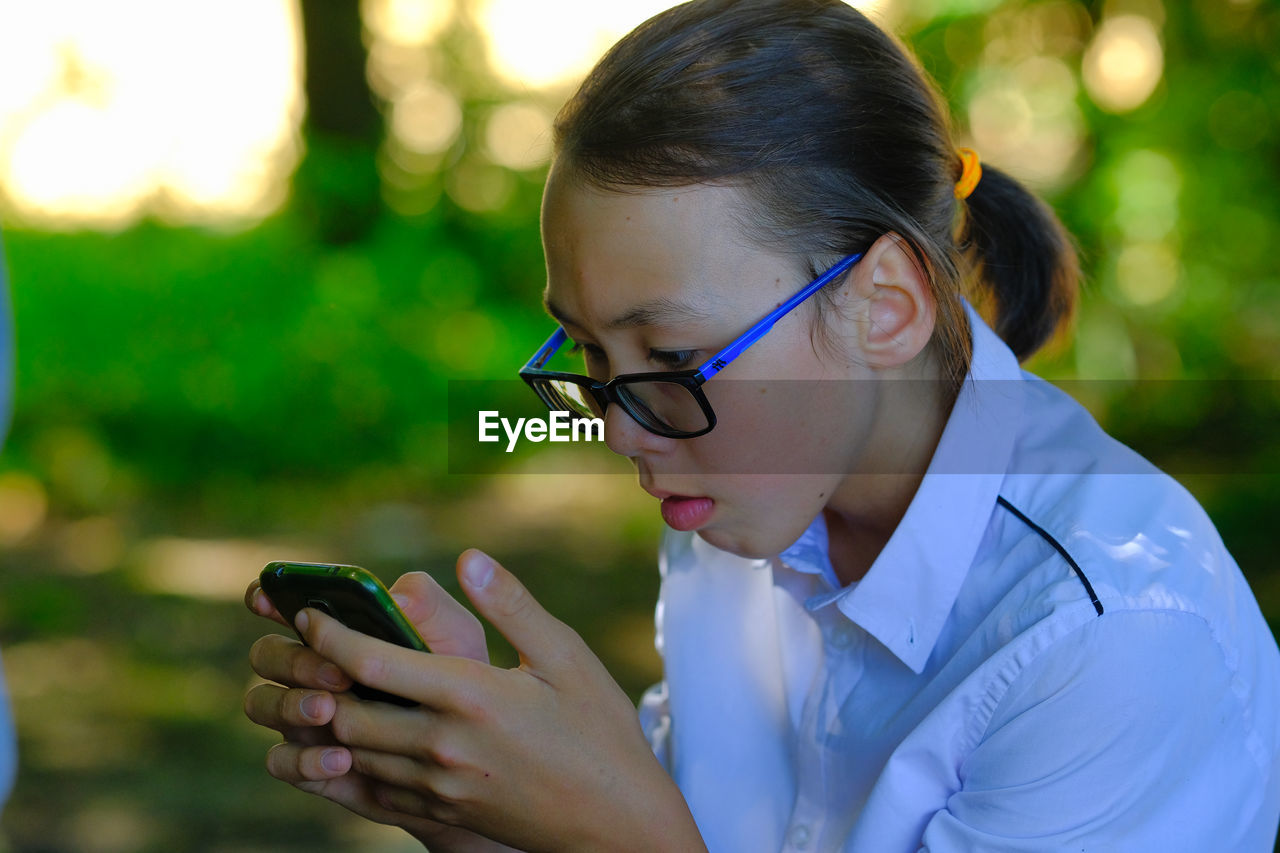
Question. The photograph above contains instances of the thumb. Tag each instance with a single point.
(541, 640)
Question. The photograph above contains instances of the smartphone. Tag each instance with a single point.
(349, 594)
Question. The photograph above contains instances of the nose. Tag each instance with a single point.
(625, 437)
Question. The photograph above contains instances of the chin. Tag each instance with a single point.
(747, 547)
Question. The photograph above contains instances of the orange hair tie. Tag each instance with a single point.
(970, 174)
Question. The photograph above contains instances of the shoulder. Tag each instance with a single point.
(1130, 732)
(1109, 572)
(1129, 530)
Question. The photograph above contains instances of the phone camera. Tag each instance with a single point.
(321, 605)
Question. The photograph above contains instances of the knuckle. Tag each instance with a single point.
(445, 755)
(472, 705)
(515, 600)
(453, 796)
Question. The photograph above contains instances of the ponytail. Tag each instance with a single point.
(1024, 258)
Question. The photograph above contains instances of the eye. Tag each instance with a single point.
(594, 358)
(587, 350)
(674, 359)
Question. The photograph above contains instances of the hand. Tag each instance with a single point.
(302, 709)
(546, 756)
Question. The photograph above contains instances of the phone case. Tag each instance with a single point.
(350, 594)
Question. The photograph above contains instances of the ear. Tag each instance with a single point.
(898, 309)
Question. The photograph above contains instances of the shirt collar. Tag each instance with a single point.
(810, 555)
(906, 595)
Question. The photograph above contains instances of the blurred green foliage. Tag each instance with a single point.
(287, 384)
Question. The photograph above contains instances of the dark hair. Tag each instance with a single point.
(837, 136)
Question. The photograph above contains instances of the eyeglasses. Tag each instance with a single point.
(671, 404)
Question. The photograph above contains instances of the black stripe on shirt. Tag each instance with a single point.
(1057, 546)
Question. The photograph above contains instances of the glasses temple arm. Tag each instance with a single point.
(548, 349)
(722, 359)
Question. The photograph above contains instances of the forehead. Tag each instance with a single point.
(609, 251)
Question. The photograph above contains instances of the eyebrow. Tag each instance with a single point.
(650, 313)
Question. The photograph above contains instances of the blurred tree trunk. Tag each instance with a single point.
(337, 184)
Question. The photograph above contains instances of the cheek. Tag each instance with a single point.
(758, 517)
(783, 427)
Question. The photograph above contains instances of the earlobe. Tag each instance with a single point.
(900, 309)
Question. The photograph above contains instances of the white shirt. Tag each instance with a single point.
(969, 693)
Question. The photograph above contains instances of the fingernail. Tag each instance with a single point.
(331, 675)
(402, 600)
(261, 604)
(333, 761)
(311, 706)
(478, 571)
(302, 620)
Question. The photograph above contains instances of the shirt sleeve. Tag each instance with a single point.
(1131, 733)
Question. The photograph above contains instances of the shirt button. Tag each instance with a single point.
(842, 636)
(799, 836)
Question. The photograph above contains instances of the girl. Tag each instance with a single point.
(912, 598)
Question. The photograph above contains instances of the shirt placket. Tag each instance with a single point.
(819, 776)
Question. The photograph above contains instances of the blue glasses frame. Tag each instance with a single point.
(616, 389)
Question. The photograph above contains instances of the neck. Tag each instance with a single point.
(870, 501)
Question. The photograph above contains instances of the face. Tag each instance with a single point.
(661, 280)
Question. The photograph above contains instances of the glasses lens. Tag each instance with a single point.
(667, 408)
(570, 397)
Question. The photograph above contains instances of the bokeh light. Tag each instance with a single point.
(186, 111)
(412, 23)
(1147, 186)
(1123, 63)
(1024, 118)
(518, 135)
(23, 504)
(426, 118)
(555, 42)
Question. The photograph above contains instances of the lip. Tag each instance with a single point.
(682, 513)
(663, 494)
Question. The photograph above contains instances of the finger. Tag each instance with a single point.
(305, 769)
(286, 661)
(543, 641)
(400, 800)
(284, 709)
(394, 769)
(447, 626)
(292, 763)
(309, 735)
(257, 602)
(434, 680)
(383, 727)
